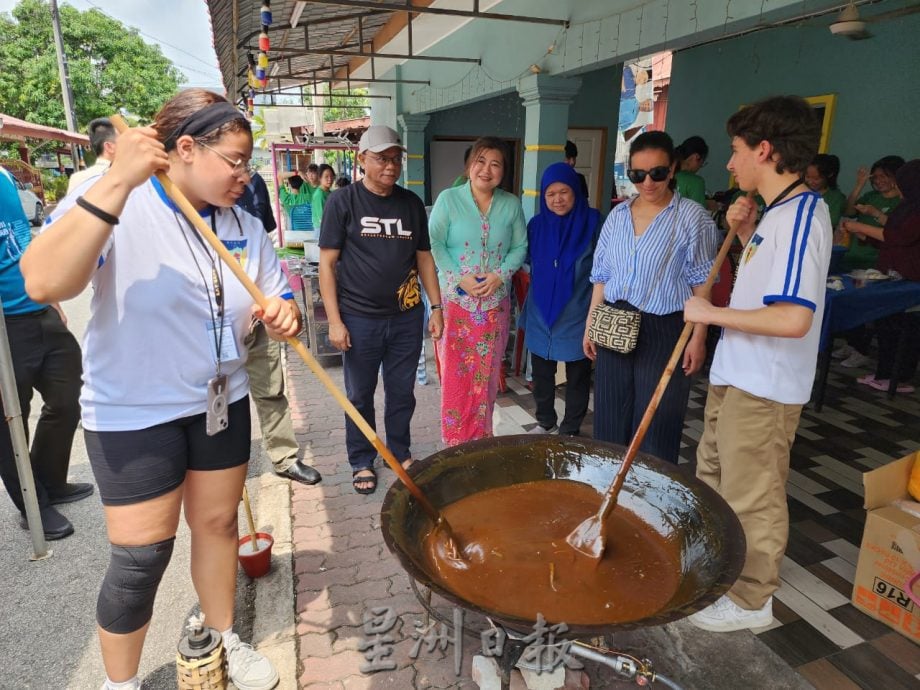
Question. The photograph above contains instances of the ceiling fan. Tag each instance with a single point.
(849, 23)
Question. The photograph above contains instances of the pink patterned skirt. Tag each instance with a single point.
(470, 358)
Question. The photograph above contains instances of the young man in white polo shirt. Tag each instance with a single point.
(764, 364)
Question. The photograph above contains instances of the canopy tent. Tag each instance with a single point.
(14, 129)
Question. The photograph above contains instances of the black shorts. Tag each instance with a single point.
(135, 466)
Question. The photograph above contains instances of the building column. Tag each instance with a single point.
(412, 129)
(546, 105)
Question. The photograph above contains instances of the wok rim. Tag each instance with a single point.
(732, 533)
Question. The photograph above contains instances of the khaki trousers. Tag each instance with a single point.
(744, 455)
(266, 387)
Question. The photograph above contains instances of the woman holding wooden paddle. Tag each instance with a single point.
(165, 397)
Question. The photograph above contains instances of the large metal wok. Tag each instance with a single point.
(673, 503)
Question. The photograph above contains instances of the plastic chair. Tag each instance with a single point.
(722, 290)
(520, 282)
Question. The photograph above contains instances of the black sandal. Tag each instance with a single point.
(372, 480)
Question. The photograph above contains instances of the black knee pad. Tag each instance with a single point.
(125, 601)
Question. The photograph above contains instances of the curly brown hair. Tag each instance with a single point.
(788, 123)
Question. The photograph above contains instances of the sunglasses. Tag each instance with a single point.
(658, 174)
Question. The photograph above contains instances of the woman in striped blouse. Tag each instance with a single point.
(654, 251)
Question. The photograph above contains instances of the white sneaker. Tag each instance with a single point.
(539, 429)
(133, 684)
(725, 616)
(856, 360)
(843, 352)
(248, 669)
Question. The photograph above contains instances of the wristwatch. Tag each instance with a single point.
(436, 306)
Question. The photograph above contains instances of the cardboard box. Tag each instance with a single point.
(883, 571)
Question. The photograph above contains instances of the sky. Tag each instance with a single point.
(181, 28)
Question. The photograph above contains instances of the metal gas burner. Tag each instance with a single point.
(626, 666)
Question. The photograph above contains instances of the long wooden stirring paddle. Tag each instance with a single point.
(589, 537)
(195, 219)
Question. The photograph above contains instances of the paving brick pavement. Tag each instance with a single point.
(341, 567)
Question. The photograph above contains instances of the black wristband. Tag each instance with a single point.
(436, 306)
(96, 211)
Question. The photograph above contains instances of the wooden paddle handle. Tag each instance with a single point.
(610, 499)
(253, 540)
(198, 223)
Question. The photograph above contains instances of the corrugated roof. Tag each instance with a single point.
(329, 27)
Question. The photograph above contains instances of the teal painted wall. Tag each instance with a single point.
(601, 33)
(598, 105)
(501, 116)
(876, 82)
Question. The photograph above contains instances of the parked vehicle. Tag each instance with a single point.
(31, 204)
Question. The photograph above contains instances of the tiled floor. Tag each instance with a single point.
(817, 631)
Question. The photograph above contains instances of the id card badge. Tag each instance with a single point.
(216, 417)
(228, 348)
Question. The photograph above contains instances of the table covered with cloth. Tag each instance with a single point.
(856, 304)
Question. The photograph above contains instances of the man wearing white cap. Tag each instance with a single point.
(374, 249)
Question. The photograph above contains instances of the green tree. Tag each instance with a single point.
(257, 122)
(111, 67)
(346, 107)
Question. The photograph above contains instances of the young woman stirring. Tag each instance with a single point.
(165, 335)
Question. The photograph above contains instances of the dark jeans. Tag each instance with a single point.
(577, 389)
(394, 343)
(623, 386)
(46, 358)
(890, 331)
(860, 339)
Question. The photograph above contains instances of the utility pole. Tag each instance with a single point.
(65, 79)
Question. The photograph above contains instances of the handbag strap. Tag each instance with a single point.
(667, 257)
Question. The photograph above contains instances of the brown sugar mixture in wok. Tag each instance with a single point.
(516, 560)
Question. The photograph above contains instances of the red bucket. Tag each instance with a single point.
(256, 563)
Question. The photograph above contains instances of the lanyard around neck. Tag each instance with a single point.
(783, 194)
(217, 282)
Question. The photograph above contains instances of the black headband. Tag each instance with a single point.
(203, 121)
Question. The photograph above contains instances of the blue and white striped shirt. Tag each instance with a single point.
(628, 266)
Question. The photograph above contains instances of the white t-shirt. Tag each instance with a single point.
(786, 260)
(149, 348)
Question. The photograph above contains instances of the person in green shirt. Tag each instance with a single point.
(321, 193)
(295, 196)
(461, 180)
(821, 176)
(872, 208)
(691, 156)
(312, 177)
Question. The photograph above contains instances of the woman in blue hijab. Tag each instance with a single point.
(561, 240)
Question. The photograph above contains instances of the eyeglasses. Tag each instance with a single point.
(396, 161)
(658, 174)
(240, 167)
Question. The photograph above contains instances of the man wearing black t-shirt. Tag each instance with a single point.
(374, 249)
